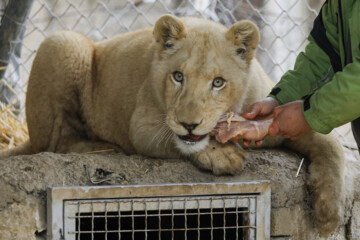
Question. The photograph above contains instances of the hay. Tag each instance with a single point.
(13, 130)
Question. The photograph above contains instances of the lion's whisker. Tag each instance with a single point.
(168, 138)
(156, 135)
(160, 134)
(164, 133)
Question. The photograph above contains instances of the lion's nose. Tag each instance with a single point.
(189, 127)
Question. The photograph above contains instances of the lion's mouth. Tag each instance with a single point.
(192, 139)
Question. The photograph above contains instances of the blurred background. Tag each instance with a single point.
(284, 27)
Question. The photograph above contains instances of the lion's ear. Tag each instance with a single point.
(245, 35)
(168, 29)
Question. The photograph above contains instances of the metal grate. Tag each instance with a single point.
(225, 217)
(211, 211)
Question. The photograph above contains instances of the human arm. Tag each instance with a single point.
(334, 103)
(331, 106)
(313, 67)
(327, 104)
(311, 71)
(337, 102)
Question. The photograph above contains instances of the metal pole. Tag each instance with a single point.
(12, 29)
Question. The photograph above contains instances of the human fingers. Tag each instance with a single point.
(246, 142)
(293, 138)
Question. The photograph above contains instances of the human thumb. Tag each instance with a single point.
(251, 112)
(273, 129)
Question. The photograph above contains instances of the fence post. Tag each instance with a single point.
(12, 29)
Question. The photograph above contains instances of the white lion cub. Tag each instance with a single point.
(159, 92)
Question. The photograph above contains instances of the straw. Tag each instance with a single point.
(13, 130)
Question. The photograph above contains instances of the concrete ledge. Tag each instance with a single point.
(24, 179)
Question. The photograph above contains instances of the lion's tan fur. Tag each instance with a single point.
(120, 93)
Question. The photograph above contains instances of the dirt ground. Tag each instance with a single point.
(24, 180)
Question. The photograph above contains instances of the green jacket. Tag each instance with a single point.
(327, 74)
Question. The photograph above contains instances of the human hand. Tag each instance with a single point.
(289, 121)
(262, 109)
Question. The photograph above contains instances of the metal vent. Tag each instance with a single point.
(238, 210)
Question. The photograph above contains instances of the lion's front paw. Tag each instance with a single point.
(220, 158)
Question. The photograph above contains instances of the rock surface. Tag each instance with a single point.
(24, 180)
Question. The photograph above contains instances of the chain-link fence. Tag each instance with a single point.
(284, 27)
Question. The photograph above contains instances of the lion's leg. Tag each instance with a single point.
(220, 158)
(60, 73)
(87, 146)
(326, 178)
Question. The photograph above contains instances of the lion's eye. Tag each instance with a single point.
(178, 76)
(218, 82)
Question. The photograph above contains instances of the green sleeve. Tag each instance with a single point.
(333, 103)
(311, 68)
(337, 102)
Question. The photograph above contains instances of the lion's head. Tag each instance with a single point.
(202, 72)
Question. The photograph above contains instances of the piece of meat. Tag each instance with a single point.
(233, 127)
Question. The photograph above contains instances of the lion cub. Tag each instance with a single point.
(159, 92)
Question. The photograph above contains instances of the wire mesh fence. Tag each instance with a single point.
(284, 26)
